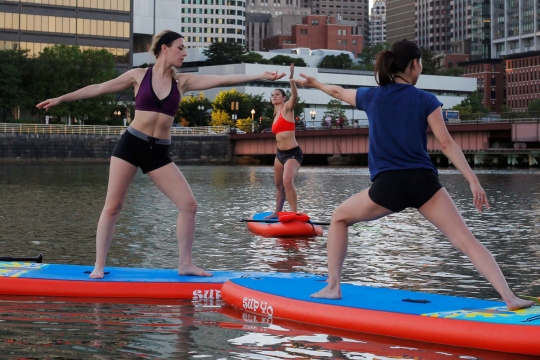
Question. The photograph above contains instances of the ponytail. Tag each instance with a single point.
(395, 60)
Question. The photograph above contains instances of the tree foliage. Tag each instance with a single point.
(285, 60)
(188, 113)
(454, 71)
(253, 58)
(223, 53)
(341, 61)
(12, 89)
(63, 69)
(534, 108)
(472, 107)
(335, 109)
(369, 55)
(431, 62)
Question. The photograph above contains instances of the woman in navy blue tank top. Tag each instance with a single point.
(145, 143)
(402, 173)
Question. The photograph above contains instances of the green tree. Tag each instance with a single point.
(221, 117)
(285, 60)
(341, 61)
(223, 53)
(253, 58)
(369, 55)
(472, 107)
(12, 91)
(223, 101)
(188, 113)
(431, 62)
(507, 112)
(534, 108)
(454, 71)
(335, 109)
(62, 69)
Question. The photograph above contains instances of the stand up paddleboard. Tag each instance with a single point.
(273, 227)
(24, 278)
(432, 318)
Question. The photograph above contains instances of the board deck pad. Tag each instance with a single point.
(428, 317)
(23, 278)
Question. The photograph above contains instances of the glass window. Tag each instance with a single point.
(107, 28)
(58, 21)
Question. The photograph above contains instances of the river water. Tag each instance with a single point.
(53, 209)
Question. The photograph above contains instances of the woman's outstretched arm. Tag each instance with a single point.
(190, 82)
(335, 91)
(120, 83)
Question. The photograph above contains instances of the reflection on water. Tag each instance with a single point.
(53, 209)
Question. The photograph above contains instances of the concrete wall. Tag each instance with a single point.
(192, 149)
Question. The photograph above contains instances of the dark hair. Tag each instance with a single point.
(395, 60)
(166, 37)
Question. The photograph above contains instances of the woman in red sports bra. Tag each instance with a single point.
(146, 142)
(289, 156)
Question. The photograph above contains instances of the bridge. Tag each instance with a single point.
(514, 141)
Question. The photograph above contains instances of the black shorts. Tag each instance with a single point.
(397, 190)
(294, 153)
(149, 154)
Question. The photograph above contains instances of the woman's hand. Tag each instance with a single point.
(49, 103)
(292, 71)
(479, 196)
(268, 75)
(309, 81)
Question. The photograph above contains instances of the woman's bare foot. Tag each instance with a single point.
(328, 293)
(271, 216)
(97, 273)
(192, 270)
(518, 303)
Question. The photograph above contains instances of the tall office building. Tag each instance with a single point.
(516, 26)
(348, 10)
(432, 25)
(265, 19)
(35, 24)
(201, 22)
(400, 20)
(377, 23)
(470, 30)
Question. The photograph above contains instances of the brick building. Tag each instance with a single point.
(490, 76)
(522, 79)
(318, 32)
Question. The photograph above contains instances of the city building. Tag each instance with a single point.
(522, 79)
(201, 22)
(355, 11)
(377, 23)
(490, 80)
(400, 20)
(516, 27)
(432, 25)
(34, 24)
(318, 32)
(264, 19)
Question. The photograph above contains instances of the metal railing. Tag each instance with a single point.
(58, 129)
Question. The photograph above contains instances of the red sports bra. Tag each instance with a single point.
(281, 125)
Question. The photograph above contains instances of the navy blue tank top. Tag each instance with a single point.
(147, 100)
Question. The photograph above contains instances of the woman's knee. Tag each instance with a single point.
(113, 208)
(189, 206)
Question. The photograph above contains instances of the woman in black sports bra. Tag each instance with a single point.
(145, 143)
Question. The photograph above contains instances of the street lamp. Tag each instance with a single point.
(201, 109)
(252, 120)
(313, 113)
(234, 109)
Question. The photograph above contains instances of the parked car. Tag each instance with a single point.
(267, 130)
